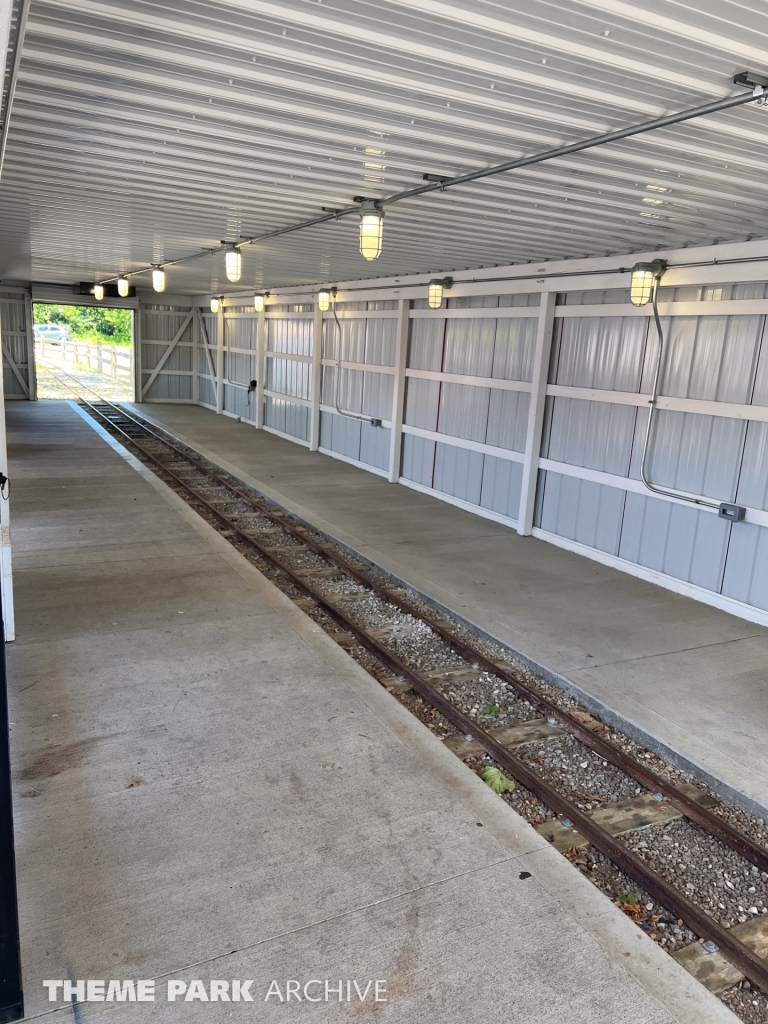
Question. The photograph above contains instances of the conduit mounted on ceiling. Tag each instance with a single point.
(371, 211)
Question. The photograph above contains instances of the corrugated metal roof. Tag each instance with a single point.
(145, 131)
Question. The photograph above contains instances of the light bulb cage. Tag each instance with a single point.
(259, 301)
(123, 287)
(371, 229)
(324, 299)
(643, 281)
(98, 292)
(233, 264)
(215, 303)
(158, 279)
(435, 292)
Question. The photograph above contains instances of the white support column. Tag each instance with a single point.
(317, 378)
(31, 368)
(220, 359)
(196, 342)
(138, 377)
(536, 412)
(6, 575)
(261, 366)
(398, 391)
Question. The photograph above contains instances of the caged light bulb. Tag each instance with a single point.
(158, 279)
(98, 291)
(324, 301)
(214, 305)
(371, 230)
(233, 264)
(643, 281)
(123, 287)
(258, 303)
(435, 295)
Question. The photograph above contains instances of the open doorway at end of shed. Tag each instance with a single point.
(90, 346)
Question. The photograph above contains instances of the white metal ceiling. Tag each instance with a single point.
(146, 131)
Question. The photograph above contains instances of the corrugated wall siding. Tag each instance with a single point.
(15, 342)
(714, 358)
(467, 389)
(491, 412)
(365, 341)
(166, 353)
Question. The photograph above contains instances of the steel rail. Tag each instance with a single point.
(485, 172)
(747, 962)
(689, 808)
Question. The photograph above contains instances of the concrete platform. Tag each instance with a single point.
(207, 787)
(691, 679)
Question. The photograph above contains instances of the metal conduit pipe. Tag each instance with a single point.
(653, 402)
(759, 89)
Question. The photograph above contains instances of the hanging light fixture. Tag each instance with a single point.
(643, 281)
(214, 305)
(98, 292)
(123, 287)
(435, 293)
(324, 301)
(158, 279)
(233, 264)
(259, 301)
(371, 229)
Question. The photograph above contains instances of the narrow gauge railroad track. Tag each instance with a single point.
(193, 477)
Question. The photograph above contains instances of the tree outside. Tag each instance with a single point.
(88, 323)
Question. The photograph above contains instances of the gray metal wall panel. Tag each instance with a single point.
(469, 347)
(746, 570)
(292, 336)
(179, 359)
(753, 481)
(380, 338)
(241, 332)
(597, 435)
(205, 391)
(513, 348)
(463, 411)
(501, 483)
(240, 368)
(11, 385)
(289, 378)
(377, 395)
(236, 402)
(160, 326)
(601, 352)
(695, 453)
(211, 323)
(426, 347)
(458, 472)
(171, 386)
(507, 419)
(678, 540)
(287, 416)
(582, 511)
(418, 459)
(375, 445)
(422, 403)
(711, 358)
(340, 434)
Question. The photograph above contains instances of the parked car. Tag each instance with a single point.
(51, 333)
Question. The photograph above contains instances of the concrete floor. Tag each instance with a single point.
(207, 787)
(690, 678)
